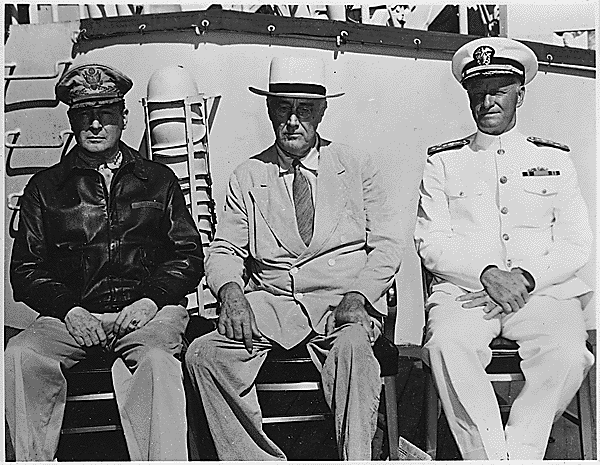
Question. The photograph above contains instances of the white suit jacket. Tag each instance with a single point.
(504, 201)
(356, 245)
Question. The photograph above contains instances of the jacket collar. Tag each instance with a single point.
(483, 141)
(72, 162)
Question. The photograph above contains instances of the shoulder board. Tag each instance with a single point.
(453, 145)
(548, 143)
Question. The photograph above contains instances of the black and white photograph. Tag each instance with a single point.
(300, 232)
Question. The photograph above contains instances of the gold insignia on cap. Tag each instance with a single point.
(483, 55)
(92, 85)
(92, 77)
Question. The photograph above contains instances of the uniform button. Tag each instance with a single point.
(504, 210)
(461, 193)
(342, 238)
(331, 262)
(299, 295)
(503, 179)
(544, 191)
(505, 237)
(294, 271)
(501, 152)
(509, 262)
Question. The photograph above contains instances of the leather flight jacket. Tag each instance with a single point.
(79, 244)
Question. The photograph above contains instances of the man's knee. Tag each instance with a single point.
(156, 355)
(354, 336)
(443, 341)
(13, 352)
(156, 358)
(578, 358)
(351, 362)
(566, 356)
(23, 340)
(19, 357)
(23, 343)
(353, 347)
(201, 352)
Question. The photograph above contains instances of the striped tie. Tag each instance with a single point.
(305, 210)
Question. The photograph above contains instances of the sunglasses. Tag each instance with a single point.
(302, 111)
(105, 116)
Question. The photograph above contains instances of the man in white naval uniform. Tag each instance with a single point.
(503, 228)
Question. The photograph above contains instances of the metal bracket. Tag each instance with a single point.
(76, 36)
(550, 59)
(16, 132)
(341, 38)
(17, 77)
(12, 201)
(205, 23)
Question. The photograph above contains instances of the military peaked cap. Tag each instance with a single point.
(92, 85)
(494, 56)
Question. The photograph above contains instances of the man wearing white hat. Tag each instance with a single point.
(308, 224)
(503, 228)
(105, 252)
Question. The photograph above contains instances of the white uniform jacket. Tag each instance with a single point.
(356, 245)
(504, 201)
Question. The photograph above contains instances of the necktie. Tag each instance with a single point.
(303, 202)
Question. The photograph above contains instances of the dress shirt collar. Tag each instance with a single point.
(309, 161)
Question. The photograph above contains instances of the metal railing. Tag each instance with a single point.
(413, 16)
(492, 17)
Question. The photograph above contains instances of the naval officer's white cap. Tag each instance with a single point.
(494, 56)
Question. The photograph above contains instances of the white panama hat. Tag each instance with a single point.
(296, 77)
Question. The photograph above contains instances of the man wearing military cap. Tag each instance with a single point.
(308, 225)
(503, 228)
(106, 252)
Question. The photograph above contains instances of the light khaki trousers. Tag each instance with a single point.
(551, 335)
(224, 373)
(147, 380)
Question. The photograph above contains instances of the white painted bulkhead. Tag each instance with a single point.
(394, 106)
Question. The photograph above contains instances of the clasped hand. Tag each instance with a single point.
(135, 316)
(504, 292)
(87, 330)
